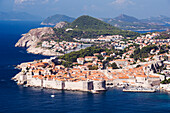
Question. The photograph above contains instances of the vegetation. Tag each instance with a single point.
(138, 66)
(89, 27)
(86, 22)
(64, 63)
(72, 57)
(69, 58)
(128, 48)
(164, 49)
(92, 67)
(166, 81)
(100, 57)
(114, 66)
(163, 35)
(144, 52)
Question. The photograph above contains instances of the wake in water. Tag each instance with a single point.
(21, 51)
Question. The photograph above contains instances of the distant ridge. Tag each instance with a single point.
(123, 21)
(126, 22)
(18, 16)
(52, 20)
(159, 19)
(126, 18)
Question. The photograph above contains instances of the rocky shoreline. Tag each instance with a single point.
(42, 51)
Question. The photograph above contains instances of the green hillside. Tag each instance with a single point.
(90, 27)
(87, 22)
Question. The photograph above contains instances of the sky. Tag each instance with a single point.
(96, 8)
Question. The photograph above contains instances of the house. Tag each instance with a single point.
(109, 68)
(80, 60)
(106, 57)
(90, 58)
(96, 54)
(120, 62)
(69, 29)
(103, 53)
(140, 78)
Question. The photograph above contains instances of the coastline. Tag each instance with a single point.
(25, 78)
(18, 98)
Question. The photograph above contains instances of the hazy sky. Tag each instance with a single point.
(96, 8)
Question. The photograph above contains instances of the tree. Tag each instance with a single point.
(114, 66)
(92, 67)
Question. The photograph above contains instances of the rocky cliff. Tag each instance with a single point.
(31, 38)
(60, 25)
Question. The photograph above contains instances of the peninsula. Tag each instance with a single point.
(117, 58)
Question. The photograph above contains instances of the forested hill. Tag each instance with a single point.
(90, 27)
(86, 22)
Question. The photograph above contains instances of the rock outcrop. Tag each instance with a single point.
(31, 38)
(43, 51)
(60, 25)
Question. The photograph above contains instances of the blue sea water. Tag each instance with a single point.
(17, 99)
(150, 31)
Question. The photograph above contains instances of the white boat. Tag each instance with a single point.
(52, 96)
(94, 91)
(25, 86)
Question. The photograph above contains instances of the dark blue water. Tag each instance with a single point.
(17, 99)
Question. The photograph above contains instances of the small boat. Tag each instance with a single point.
(25, 86)
(52, 96)
(168, 89)
(94, 91)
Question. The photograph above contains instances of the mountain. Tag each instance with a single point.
(52, 20)
(87, 22)
(131, 23)
(126, 18)
(159, 20)
(122, 21)
(18, 16)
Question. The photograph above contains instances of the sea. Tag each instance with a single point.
(19, 99)
(149, 31)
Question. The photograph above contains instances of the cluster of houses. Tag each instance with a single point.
(150, 39)
(89, 61)
(83, 77)
(101, 38)
(60, 46)
(46, 74)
